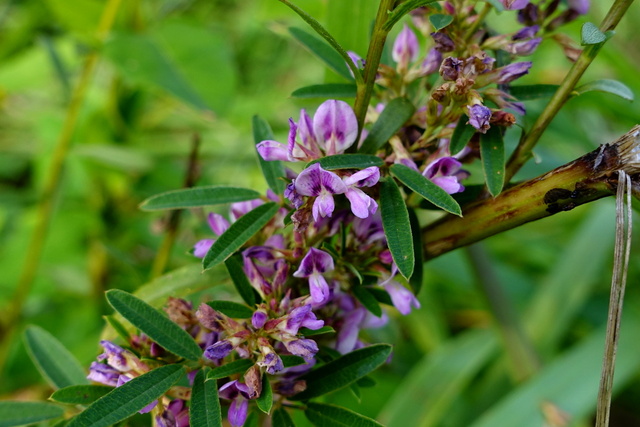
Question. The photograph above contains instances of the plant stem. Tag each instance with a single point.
(588, 178)
(173, 220)
(363, 95)
(52, 185)
(523, 151)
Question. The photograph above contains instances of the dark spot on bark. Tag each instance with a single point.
(556, 194)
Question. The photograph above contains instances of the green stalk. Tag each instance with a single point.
(52, 185)
(586, 179)
(523, 151)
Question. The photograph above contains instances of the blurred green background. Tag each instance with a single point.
(174, 71)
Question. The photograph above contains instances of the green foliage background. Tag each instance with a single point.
(174, 70)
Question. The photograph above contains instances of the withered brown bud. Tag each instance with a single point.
(208, 317)
(253, 379)
(180, 311)
(502, 118)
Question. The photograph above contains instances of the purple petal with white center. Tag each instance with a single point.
(405, 47)
(313, 180)
(365, 178)
(238, 411)
(323, 206)
(272, 150)
(360, 202)
(315, 260)
(479, 116)
(401, 297)
(304, 348)
(335, 126)
(218, 223)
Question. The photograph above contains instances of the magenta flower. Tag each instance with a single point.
(313, 265)
(321, 184)
(362, 205)
(479, 117)
(445, 173)
(405, 48)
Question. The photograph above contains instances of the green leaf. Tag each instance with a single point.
(197, 197)
(529, 92)
(427, 392)
(56, 364)
(273, 171)
(608, 86)
(326, 91)
(231, 309)
(281, 418)
(80, 394)
(591, 34)
(265, 400)
(325, 415)
(394, 115)
(323, 51)
(381, 295)
(239, 233)
(118, 327)
(236, 367)
(418, 269)
(439, 20)
(492, 154)
(343, 371)
(397, 229)
(402, 10)
(349, 161)
(82, 19)
(129, 398)
(311, 332)
(239, 278)
(425, 188)
(141, 61)
(461, 134)
(154, 324)
(290, 360)
(205, 405)
(23, 413)
(367, 299)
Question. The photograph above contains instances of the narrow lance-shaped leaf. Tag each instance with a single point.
(56, 364)
(343, 371)
(281, 418)
(425, 188)
(239, 278)
(326, 91)
(154, 324)
(265, 400)
(492, 154)
(349, 161)
(402, 10)
(367, 300)
(231, 309)
(239, 233)
(129, 398)
(205, 405)
(23, 413)
(273, 171)
(608, 86)
(418, 269)
(397, 229)
(529, 92)
(323, 51)
(80, 394)
(324, 415)
(461, 135)
(198, 196)
(394, 115)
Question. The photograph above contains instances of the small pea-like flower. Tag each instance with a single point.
(362, 205)
(450, 68)
(218, 225)
(479, 117)
(238, 393)
(524, 47)
(357, 59)
(321, 184)
(432, 62)
(302, 347)
(313, 265)
(401, 297)
(510, 72)
(514, 4)
(446, 172)
(405, 48)
(103, 374)
(335, 126)
(301, 317)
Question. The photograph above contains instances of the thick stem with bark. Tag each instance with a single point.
(586, 179)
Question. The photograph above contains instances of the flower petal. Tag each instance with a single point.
(335, 126)
(218, 223)
(360, 202)
(318, 288)
(272, 150)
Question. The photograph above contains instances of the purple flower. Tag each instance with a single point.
(302, 347)
(357, 59)
(526, 33)
(218, 350)
(432, 62)
(479, 117)
(405, 48)
(361, 204)
(240, 208)
(514, 4)
(272, 362)
(103, 373)
(335, 126)
(510, 72)
(317, 182)
(218, 225)
(443, 42)
(580, 6)
(301, 317)
(401, 297)
(451, 68)
(523, 47)
(313, 265)
(445, 173)
(238, 393)
(348, 333)
(259, 318)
